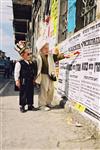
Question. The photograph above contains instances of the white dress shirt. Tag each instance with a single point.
(17, 70)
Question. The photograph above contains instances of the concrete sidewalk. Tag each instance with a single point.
(40, 130)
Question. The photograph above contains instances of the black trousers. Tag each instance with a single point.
(26, 93)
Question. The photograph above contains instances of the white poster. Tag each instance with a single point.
(62, 78)
(82, 73)
(74, 67)
(90, 83)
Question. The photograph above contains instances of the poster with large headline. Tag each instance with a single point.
(90, 83)
(81, 81)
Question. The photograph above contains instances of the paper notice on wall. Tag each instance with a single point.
(90, 83)
(74, 67)
(82, 73)
(54, 15)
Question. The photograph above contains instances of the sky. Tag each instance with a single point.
(6, 29)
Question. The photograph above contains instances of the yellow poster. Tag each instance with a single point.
(54, 15)
(80, 107)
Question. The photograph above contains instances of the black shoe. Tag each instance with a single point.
(35, 109)
(22, 110)
(32, 108)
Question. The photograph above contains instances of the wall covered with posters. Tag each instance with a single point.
(79, 77)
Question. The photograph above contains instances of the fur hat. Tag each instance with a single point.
(41, 42)
(21, 46)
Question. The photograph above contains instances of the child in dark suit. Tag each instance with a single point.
(24, 74)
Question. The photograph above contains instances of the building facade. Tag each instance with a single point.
(74, 25)
(63, 17)
(71, 25)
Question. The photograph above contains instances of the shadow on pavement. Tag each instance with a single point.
(56, 107)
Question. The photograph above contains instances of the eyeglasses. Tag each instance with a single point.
(29, 54)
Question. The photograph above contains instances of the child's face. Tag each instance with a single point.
(27, 54)
(45, 49)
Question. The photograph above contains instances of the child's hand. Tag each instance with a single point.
(67, 56)
(18, 83)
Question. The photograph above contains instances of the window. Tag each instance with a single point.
(86, 13)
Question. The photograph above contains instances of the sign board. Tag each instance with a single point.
(82, 78)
